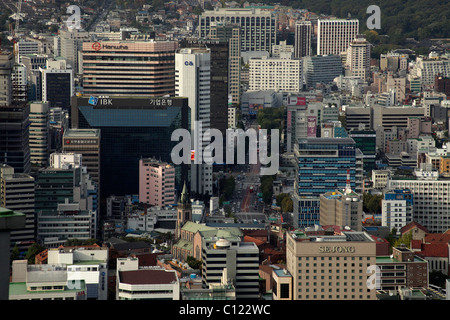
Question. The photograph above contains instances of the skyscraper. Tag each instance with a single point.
(132, 68)
(131, 128)
(219, 78)
(258, 27)
(57, 84)
(193, 80)
(39, 133)
(6, 70)
(302, 45)
(335, 35)
(14, 136)
(232, 34)
(87, 143)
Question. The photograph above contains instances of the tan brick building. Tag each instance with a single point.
(330, 267)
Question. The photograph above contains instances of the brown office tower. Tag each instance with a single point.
(129, 68)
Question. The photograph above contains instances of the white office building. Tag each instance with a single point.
(258, 26)
(335, 35)
(431, 201)
(277, 74)
(88, 265)
(193, 80)
(397, 209)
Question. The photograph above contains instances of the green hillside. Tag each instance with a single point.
(400, 19)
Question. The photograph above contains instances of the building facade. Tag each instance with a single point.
(193, 80)
(131, 129)
(303, 34)
(17, 192)
(156, 182)
(133, 68)
(330, 267)
(258, 27)
(235, 262)
(276, 74)
(335, 35)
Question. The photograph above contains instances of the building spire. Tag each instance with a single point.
(184, 196)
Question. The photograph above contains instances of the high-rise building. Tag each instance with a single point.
(231, 261)
(219, 79)
(87, 143)
(232, 34)
(342, 208)
(69, 44)
(131, 68)
(322, 69)
(57, 86)
(76, 199)
(19, 84)
(156, 182)
(131, 128)
(431, 205)
(324, 165)
(358, 58)
(26, 46)
(335, 35)
(302, 45)
(67, 175)
(330, 267)
(14, 136)
(39, 133)
(17, 193)
(193, 80)
(6, 71)
(366, 141)
(258, 27)
(277, 74)
(397, 209)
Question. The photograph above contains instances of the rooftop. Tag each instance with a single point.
(147, 276)
(72, 133)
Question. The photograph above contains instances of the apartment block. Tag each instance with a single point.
(156, 182)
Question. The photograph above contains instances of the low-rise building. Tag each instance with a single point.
(44, 282)
(402, 269)
(146, 283)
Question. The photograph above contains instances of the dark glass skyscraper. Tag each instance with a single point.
(14, 137)
(131, 128)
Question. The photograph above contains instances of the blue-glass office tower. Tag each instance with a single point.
(323, 165)
(131, 128)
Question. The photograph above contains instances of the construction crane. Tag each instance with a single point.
(15, 31)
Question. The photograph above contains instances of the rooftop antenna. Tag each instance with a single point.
(348, 188)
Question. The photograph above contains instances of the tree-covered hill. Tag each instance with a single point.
(400, 19)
